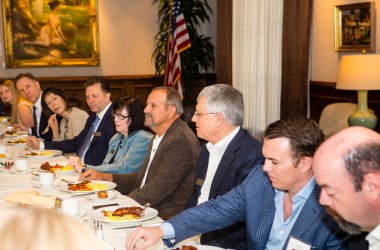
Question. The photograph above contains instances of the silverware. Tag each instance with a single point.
(139, 225)
(105, 205)
(81, 194)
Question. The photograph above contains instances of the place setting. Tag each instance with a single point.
(21, 166)
(46, 180)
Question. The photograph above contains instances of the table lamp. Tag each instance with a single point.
(360, 73)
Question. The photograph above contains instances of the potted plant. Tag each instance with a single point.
(200, 56)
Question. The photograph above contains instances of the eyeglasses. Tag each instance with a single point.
(120, 116)
(200, 114)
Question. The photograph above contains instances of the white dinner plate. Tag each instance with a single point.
(7, 157)
(69, 171)
(110, 185)
(97, 214)
(202, 247)
(12, 143)
(54, 153)
(14, 171)
(37, 185)
(111, 195)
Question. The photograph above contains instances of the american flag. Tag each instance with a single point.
(179, 41)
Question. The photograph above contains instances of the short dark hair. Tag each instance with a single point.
(362, 160)
(56, 91)
(22, 75)
(304, 135)
(104, 85)
(135, 110)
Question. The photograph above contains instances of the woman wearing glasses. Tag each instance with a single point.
(55, 102)
(129, 146)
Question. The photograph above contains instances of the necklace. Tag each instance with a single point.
(65, 126)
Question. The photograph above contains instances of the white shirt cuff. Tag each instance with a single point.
(168, 230)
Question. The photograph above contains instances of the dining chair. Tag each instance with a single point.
(334, 117)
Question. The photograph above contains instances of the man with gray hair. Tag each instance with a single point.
(167, 175)
(228, 157)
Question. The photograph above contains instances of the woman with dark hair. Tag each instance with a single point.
(129, 146)
(54, 102)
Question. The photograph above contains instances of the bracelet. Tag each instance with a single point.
(84, 168)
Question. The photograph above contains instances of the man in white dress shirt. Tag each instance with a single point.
(347, 168)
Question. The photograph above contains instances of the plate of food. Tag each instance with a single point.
(102, 195)
(42, 154)
(20, 142)
(87, 186)
(121, 214)
(57, 168)
(5, 157)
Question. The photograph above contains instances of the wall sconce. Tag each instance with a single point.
(360, 73)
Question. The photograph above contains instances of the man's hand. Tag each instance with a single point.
(149, 236)
(76, 162)
(33, 142)
(91, 174)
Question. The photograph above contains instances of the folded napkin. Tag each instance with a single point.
(31, 198)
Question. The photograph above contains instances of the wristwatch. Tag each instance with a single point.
(84, 168)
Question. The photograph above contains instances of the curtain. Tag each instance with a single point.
(256, 60)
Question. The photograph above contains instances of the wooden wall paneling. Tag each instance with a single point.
(224, 42)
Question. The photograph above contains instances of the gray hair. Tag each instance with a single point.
(224, 99)
(172, 98)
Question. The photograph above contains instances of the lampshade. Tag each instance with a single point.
(361, 73)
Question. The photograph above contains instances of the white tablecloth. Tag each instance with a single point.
(13, 182)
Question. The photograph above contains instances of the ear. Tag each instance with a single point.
(108, 96)
(38, 84)
(219, 119)
(172, 110)
(371, 185)
(305, 164)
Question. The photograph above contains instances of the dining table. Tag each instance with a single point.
(114, 234)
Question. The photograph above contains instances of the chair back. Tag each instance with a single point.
(334, 117)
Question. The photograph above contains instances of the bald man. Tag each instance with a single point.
(347, 168)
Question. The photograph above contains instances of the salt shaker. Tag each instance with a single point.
(99, 231)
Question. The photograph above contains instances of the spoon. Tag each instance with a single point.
(145, 207)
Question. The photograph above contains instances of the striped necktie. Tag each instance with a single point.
(87, 141)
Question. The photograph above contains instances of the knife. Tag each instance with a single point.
(105, 205)
(156, 224)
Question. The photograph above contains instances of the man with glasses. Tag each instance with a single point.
(91, 145)
(167, 175)
(228, 157)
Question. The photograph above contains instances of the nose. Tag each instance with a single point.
(146, 110)
(324, 198)
(194, 118)
(266, 166)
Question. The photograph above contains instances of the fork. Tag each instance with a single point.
(46, 129)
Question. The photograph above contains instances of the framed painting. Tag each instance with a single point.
(355, 27)
(51, 33)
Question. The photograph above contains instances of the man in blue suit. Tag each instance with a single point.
(278, 202)
(91, 145)
(226, 160)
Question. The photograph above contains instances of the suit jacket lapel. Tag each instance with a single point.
(310, 212)
(225, 162)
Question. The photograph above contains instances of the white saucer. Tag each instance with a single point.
(111, 195)
(37, 185)
(14, 171)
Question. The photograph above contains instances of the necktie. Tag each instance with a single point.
(34, 129)
(87, 141)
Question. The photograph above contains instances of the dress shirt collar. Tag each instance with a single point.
(221, 145)
(104, 111)
(373, 237)
(305, 192)
(38, 104)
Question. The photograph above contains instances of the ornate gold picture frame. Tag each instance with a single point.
(53, 33)
(355, 27)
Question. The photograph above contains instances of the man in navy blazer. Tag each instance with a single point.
(278, 202)
(98, 98)
(28, 86)
(228, 157)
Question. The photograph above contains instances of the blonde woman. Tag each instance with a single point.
(21, 109)
(46, 229)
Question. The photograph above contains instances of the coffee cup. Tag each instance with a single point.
(70, 207)
(3, 149)
(22, 165)
(46, 179)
